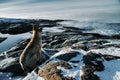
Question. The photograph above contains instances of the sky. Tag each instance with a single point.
(83, 10)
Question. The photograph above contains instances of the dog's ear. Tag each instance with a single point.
(40, 29)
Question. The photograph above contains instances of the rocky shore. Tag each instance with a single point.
(69, 52)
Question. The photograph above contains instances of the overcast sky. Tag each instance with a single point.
(84, 10)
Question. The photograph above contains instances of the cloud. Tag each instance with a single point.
(67, 9)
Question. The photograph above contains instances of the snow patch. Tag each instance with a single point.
(53, 29)
(33, 76)
(111, 72)
(7, 60)
(69, 73)
(108, 51)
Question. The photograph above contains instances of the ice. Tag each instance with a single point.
(12, 40)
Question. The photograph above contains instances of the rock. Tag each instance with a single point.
(69, 42)
(50, 52)
(95, 60)
(11, 65)
(81, 45)
(88, 69)
(25, 26)
(50, 71)
(17, 28)
(88, 73)
(68, 55)
(109, 57)
(91, 44)
(89, 77)
(56, 43)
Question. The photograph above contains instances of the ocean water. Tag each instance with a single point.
(82, 10)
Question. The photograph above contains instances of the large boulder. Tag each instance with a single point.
(51, 72)
(11, 65)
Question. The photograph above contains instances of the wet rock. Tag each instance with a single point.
(68, 56)
(95, 60)
(110, 57)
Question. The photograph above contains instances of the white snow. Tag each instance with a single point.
(111, 72)
(12, 40)
(53, 29)
(33, 76)
(108, 51)
(5, 61)
(70, 73)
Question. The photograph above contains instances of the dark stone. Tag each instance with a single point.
(90, 77)
(13, 67)
(88, 73)
(22, 28)
(68, 56)
(90, 59)
(110, 57)
(50, 52)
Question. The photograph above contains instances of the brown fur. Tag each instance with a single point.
(31, 55)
